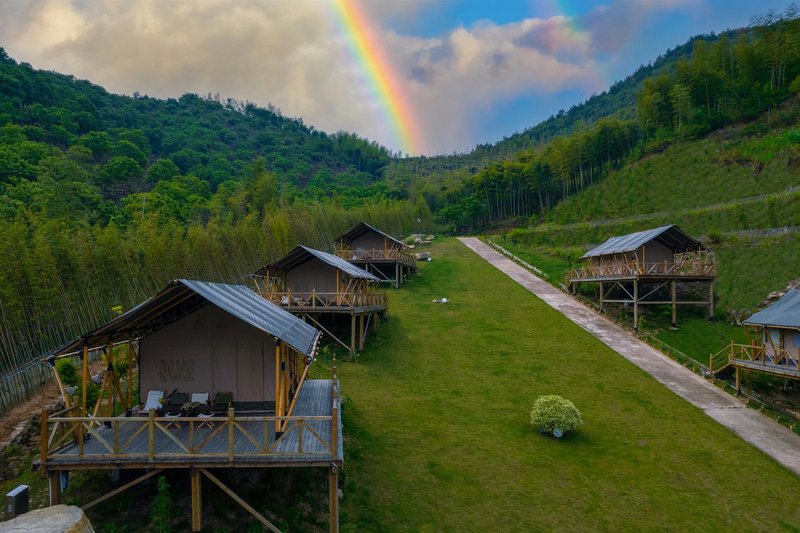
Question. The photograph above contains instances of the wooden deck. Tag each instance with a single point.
(697, 271)
(236, 440)
(329, 302)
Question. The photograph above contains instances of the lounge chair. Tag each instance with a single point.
(176, 402)
(222, 401)
(154, 398)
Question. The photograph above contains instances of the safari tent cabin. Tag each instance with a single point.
(377, 252)
(657, 266)
(776, 347)
(314, 284)
(208, 338)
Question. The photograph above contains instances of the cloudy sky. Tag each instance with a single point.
(460, 72)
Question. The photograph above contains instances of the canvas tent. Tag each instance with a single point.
(198, 336)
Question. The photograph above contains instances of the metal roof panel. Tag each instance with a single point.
(783, 313)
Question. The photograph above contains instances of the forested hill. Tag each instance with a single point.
(618, 101)
(210, 138)
(731, 79)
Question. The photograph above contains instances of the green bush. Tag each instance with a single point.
(161, 509)
(68, 372)
(553, 412)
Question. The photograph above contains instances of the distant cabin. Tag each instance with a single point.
(314, 284)
(776, 347)
(377, 252)
(650, 268)
(234, 369)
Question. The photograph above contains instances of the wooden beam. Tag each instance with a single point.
(197, 500)
(124, 487)
(277, 384)
(674, 305)
(352, 332)
(54, 478)
(240, 501)
(636, 305)
(85, 374)
(333, 499)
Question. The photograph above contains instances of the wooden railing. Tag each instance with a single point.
(313, 300)
(401, 256)
(706, 267)
(117, 436)
(752, 353)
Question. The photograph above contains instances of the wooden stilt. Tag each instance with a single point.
(674, 304)
(54, 477)
(352, 332)
(711, 299)
(738, 382)
(361, 332)
(396, 275)
(333, 498)
(636, 305)
(602, 296)
(197, 500)
(85, 375)
(277, 384)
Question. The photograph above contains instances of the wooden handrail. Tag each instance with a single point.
(313, 299)
(699, 268)
(153, 426)
(401, 256)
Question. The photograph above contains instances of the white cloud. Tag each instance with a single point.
(293, 55)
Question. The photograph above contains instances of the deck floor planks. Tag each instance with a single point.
(314, 400)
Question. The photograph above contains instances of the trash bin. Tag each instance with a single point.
(17, 501)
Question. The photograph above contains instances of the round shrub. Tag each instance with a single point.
(554, 414)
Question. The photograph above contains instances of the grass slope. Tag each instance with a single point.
(438, 436)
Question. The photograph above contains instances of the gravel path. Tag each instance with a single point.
(767, 435)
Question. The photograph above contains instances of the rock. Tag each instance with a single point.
(56, 519)
(422, 256)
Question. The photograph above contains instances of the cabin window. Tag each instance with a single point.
(796, 339)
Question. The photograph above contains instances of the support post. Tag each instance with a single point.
(54, 477)
(333, 498)
(636, 305)
(361, 332)
(85, 375)
(674, 304)
(352, 332)
(738, 382)
(277, 385)
(396, 276)
(602, 296)
(711, 299)
(43, 443)
(197, 500)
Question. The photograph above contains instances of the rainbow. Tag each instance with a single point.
(379, 73)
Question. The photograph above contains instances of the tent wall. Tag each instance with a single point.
(209, 351)
(372, 241)
(655, 252)
(312, 275)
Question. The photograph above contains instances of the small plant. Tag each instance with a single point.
(554, 414)
(161, 508)
(68, 372)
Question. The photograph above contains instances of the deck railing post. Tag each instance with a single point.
(151, 434)
(231, 441)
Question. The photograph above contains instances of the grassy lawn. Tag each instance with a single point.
(438, 438)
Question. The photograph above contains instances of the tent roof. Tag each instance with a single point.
(670, 236)
(183, 297)
(301, 254)
(785, 313)
(360, 230)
